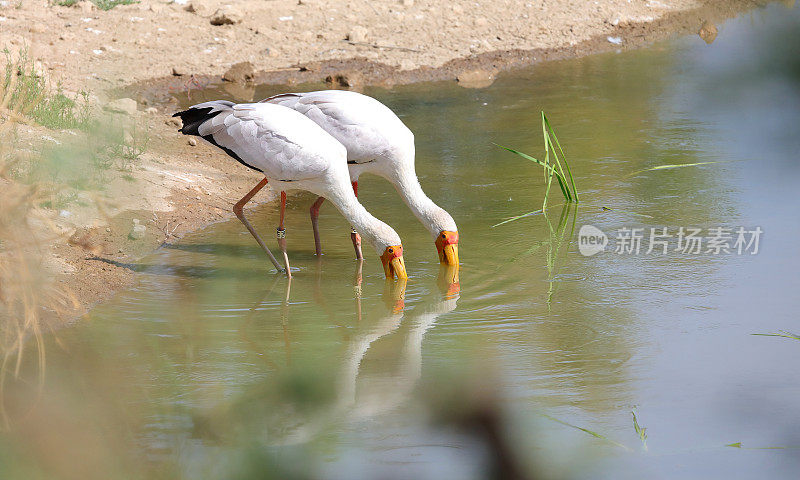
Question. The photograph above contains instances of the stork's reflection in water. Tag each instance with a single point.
(293, 406)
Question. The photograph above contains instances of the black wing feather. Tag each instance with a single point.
(194, 117)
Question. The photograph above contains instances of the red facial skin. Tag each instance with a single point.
(392, 252)
(445, 238)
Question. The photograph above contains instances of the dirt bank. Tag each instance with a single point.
(579, 35)
(394, 40)
(150, 49)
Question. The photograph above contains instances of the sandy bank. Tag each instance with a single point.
(395, 41)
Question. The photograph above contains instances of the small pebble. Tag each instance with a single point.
(357, 34)
(193, 142)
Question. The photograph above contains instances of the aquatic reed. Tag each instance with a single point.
(554, 164)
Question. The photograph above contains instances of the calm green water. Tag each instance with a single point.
(212, 367)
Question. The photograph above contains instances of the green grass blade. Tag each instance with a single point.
(549, 180)
(586, 430)
(528, 157)
(561, 151)
(669, 167)
(517, 218)
(740, 446)
(783, 333)
(547, 148)
(547, 175)
(529, 214)
(561, 180)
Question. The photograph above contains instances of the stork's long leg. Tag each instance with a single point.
(354, 236)
(357, 288)
(285, 321)
(314, 219)
(282, 236)
(237, 209)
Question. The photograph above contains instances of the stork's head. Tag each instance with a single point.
(387, 245)
(393, 263)
(447, 246)
(442, 225)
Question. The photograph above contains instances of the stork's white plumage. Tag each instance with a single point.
(295, 154)
(377, 142)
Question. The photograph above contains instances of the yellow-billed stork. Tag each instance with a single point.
(377, 142)
(294, 153)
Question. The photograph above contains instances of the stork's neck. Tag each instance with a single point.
(432, 216)
(372, 230)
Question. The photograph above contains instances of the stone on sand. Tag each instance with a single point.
(240, 73)
(344, 79)
(227, 15)
(477, 78)
(358, 34)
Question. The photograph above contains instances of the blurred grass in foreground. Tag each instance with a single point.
(39, 176)
(21, 275)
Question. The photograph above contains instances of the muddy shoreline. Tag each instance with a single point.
(361, 72)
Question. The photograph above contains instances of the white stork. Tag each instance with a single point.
(296, 154)
(377, 142)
